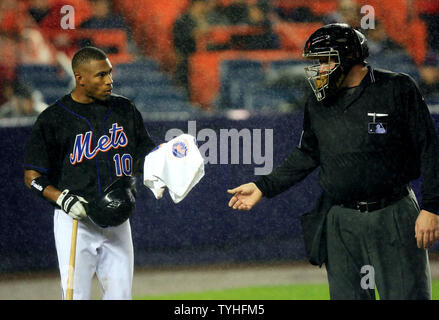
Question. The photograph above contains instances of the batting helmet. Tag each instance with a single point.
(115, 205)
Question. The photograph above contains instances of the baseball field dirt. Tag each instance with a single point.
(157, 281)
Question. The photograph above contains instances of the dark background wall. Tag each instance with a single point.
(201, 229)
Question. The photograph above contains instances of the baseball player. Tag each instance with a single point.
(370, 132)
(78, 147)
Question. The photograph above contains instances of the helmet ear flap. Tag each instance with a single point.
(362, 44)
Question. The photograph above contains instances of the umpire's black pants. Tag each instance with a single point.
(376, 248)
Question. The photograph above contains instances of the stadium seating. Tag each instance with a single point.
(151, 22)
(396, 61)
(165, 106)
(286, 78)
(47, 79)
(222, 35)
(149, 79)
(213, 81)
(256, 85)
(205, 72)
(141, 81)
(239, 79)
(113, 41)
(402, 25)
(293, 35)
(133, 90)
(317, 7)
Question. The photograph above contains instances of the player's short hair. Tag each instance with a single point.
(86, 54)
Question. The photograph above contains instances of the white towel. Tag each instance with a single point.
(176, 165)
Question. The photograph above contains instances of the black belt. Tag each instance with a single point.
(368, 206)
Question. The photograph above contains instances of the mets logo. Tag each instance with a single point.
(179, 149)
(82, 146)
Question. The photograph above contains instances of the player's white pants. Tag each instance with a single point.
(108, 252)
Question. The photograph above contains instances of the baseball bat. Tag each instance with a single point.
(69, 293)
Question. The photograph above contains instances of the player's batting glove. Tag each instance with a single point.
(72, 205)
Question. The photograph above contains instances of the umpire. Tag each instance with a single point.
(370, 132)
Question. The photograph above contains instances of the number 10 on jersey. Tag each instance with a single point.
(124, 164)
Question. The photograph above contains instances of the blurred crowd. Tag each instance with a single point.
(201, 15)
(22, 42)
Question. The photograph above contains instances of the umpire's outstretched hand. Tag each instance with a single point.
(245, 197)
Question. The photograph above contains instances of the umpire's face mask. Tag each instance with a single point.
(325, 74)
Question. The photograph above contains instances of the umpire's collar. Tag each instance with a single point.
(368, 79)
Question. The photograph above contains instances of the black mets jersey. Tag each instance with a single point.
(84, 147)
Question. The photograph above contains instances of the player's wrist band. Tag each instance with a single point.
(39, 184)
